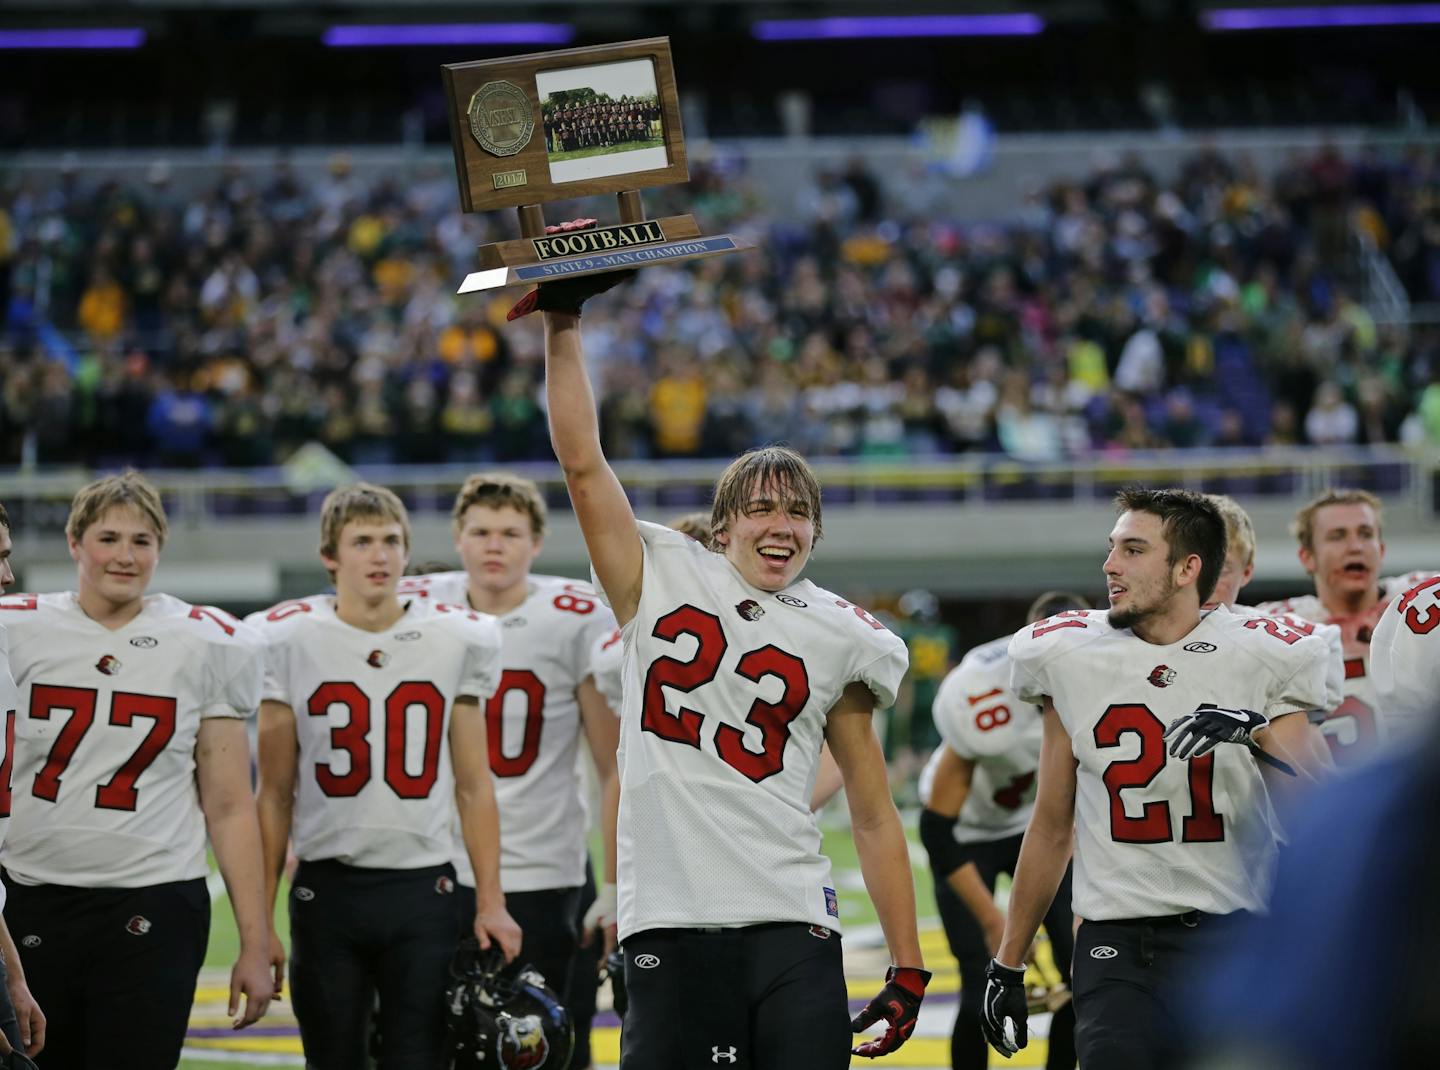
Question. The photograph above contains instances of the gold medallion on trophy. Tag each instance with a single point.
(500, 118)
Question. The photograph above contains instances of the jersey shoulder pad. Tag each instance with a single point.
(854, 619)
(284, 618)
(1035, 647)
(1393, 586)
(472, 626)
(659, 537)
(976, 684)
(1301, 655)
(21, 613)
(451, 586)
(877, 658)
(1301, 607)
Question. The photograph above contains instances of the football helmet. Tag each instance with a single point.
(503, 1019)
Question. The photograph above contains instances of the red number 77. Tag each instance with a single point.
(120, 792)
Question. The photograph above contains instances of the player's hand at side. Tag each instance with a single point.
(28, 1015)
(899, 1004)
(1005, 1012)
(600, 918)
(277, 962)
(495, 925)
(252, 979)
(1198, 733)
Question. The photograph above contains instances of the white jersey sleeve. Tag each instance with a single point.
(606, 660)
(986, 723)
(9, 708)
(1405, 662)
(375, 784)
(1156, 835)
(452, 588)
(104, 774)
(725, 693)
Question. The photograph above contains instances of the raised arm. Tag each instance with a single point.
(606, 519)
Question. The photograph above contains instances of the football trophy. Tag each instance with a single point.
(573, 123)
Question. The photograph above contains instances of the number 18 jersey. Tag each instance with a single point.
(984, 722)
(375, 787)
(726, 689)
(1155, 835)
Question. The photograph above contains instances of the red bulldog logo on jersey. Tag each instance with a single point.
(109, 665)
(377, 659)
(750, 609)
(138, 925)
(1162, 676)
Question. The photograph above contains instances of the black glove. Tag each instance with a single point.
(899, 1004)
(568, 293)
(1004, 1013)
(17, 1060)
(614, 969)
(1197, 734)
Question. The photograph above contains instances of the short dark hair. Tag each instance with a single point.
(1052, 602)
(4, 517)
(1191, 524)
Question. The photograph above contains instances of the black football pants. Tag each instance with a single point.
(968, 1050)
(114, 969)
(763, 997)
(357, 933)
(1128, 978)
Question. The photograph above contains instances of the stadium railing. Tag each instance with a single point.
(39, 500)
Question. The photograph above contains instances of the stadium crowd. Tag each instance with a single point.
(142, 324)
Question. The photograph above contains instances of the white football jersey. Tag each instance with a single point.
(607, 659)
(375, 787)
(1333, 637)
(1156, 835)
(1354, 728)
(104, 790)
(1405, 662)
(726, 690)
(984, 722)
(533, 727)
(9, 708)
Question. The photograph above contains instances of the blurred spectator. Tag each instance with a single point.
(234, 322)
(1331, 420)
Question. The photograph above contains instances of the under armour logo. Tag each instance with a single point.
(728, 1054)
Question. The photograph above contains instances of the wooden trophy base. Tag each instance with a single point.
(635, 243)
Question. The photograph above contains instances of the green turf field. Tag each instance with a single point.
(606, 150)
